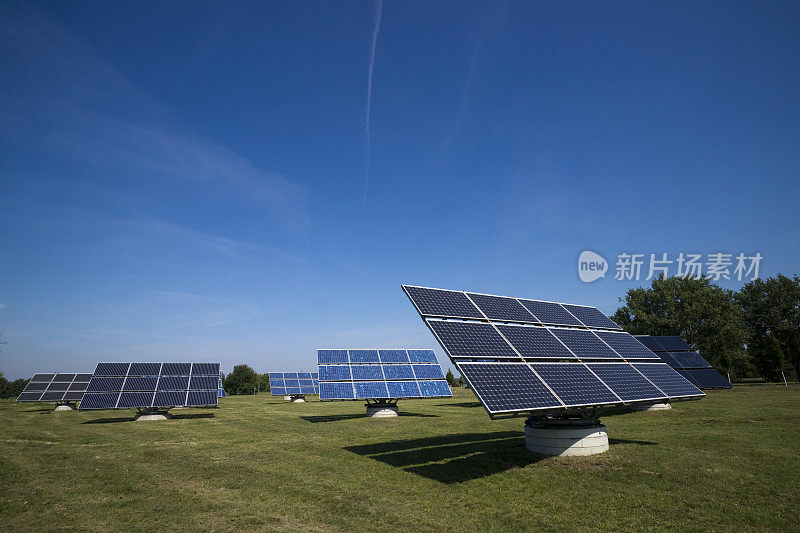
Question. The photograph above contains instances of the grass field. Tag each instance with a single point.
(730, 460)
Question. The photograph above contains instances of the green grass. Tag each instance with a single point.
(728, 461)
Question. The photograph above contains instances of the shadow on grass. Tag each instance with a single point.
(314, 419)
(453, 458)
(460, 404)
(45, 410)
(120, 419)
(612, 442)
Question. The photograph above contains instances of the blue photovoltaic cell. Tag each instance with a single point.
(689, 359)
(507, 387)
(43, 377)
(58, 387)
(111, 369)
(304, 375)
(471, 339)
(364, 356)
(291, 383)
(336, 391)
(135, 399)
(438, 302)
(591, 316)
(293, 390)
(104, 400)
(626, 345)
(422, 356)
(32, 386)
(276, 383)
(393, 356)
(574, 384)
(305, 382)
(335, 373)
(44, 390)
(73, 396)
(173, 383)
(326, 357)
(278, 391)
(431, 389)
(706, 378)
(501, 308)
(64, 377)
(307, 390)
(140, 384)
(400, 371)
(535, 342)
(367, 372)
(624, 380)
(665, 378)
(667, 358)
(550, 313)
(290, 375)
(30, 397)
(51, 396)
(276, 375)
(585, 344)
(175, 369)
(169, 398)
(202, 397)
(102, 384)
(428, 372)
(403, 389)
(315, 375)
(144, 369)
(204, 382)
(370, 389)
(650, 342)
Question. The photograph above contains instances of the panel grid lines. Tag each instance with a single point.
(55, 387)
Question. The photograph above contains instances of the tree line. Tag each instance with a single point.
(753, 332)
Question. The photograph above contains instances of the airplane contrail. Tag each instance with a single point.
(373, 45)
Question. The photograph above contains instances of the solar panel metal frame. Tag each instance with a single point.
(386, 381)
(69, 390)
(113, 371)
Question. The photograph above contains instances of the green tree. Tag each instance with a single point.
(263, 383)
(771, 311)
(243, 380)
(702, 313)
(451, 379)
(11, 389)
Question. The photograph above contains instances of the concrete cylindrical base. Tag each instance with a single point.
(65, 407)
(567, 439)
(382, 411)
(287, 398)
(144, 417)
(651, 407)
(298, 400)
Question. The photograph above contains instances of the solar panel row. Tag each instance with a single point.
(512, 387)
(380, 374)
(147, 385)
(507, 341)
(675, 352)
(55, 387)
(469, 305)
(289, 383)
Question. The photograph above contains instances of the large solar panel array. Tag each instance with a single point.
(380, 374)
(55, 387)
(152, 385)
(524, 356)
(687, 361)
(289, 383)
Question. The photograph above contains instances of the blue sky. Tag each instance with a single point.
(186, 181)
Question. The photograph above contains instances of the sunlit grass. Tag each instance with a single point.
(728, 461)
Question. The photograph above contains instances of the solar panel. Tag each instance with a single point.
(626, 382)
(673, 343)
(149, 385)
(297, 383)
(591, 317)
(706, 378)
(535, 342)
(689, 359)
(502, 308)
(438, 302)
(650, 342)
(507, 387)
(574, 384)
(399, 374)
(471, 339)
(567, 357)
(221, 391)
(585, 344)
(670, 382)
(55, 387)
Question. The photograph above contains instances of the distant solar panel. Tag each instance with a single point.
(152, 385)
(380, 375)
(679, 355)
(706, 378)
(689, 359)
(585, 344)
(55, 387)
(670, 382)
(221, 392)
(293, 383)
